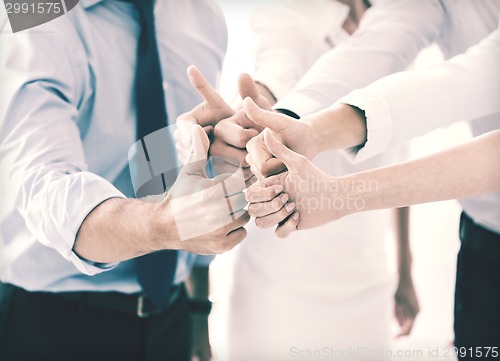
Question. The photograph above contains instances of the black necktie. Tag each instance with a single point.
(155, 271)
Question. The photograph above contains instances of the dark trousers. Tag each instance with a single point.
(477, 292)
(46, 327)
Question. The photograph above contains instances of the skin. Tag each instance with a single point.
(121, 229)
(338, 127)
(229, 130)
(468, 173)
(406, 305)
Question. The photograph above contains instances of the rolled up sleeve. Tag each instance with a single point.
(390, 36)
(44, 175)
(412, 103)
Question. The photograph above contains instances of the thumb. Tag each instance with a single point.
(197, 158)
(248, 88)
(203, 87)
(287, 156)
(268, 119)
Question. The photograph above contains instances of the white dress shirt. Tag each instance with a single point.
(408, 104)
(391, 34)
(67, 120)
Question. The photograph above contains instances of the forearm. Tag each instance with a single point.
(338, 127)
(468, 170)
(402, 237)
(121, 229)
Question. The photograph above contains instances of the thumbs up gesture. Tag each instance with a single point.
(208, 213)
(300, 198)
(229, 130)
(295, 134)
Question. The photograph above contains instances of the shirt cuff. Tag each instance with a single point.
(379, 125)
(86, 192)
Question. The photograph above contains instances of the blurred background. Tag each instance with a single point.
(434, 227)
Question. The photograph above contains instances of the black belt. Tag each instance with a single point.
(479, 239)
(135, 304)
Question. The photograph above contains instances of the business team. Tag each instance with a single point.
(89, 271)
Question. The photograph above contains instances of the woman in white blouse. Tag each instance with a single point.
(326, 287)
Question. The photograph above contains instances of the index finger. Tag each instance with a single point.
(203, 87)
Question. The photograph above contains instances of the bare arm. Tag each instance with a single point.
(467, 170)
(391, 111)
(120, 229)
(406, 301)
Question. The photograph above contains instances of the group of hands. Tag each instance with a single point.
(259, 156)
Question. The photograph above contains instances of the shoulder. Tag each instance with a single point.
(52, 51)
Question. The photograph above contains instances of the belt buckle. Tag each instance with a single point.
(141, 312)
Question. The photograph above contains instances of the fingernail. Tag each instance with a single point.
(278, 189)
(284, 198)
(296, 216)
(290, 207)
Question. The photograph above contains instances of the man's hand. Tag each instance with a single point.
(207, 114)
(295, 134)
(307, 190)
(208, 213)
(406, 306)
(199, 215)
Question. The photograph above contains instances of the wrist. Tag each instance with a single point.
(405, 281)
(162, 231)
(404, 273)
(338, 127)
(311, 136)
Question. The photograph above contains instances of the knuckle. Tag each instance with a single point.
(253, 209)
(280, 232)
(240, 139)
(219, 129)
(252, 144)
(276, 203)
(259, 222)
